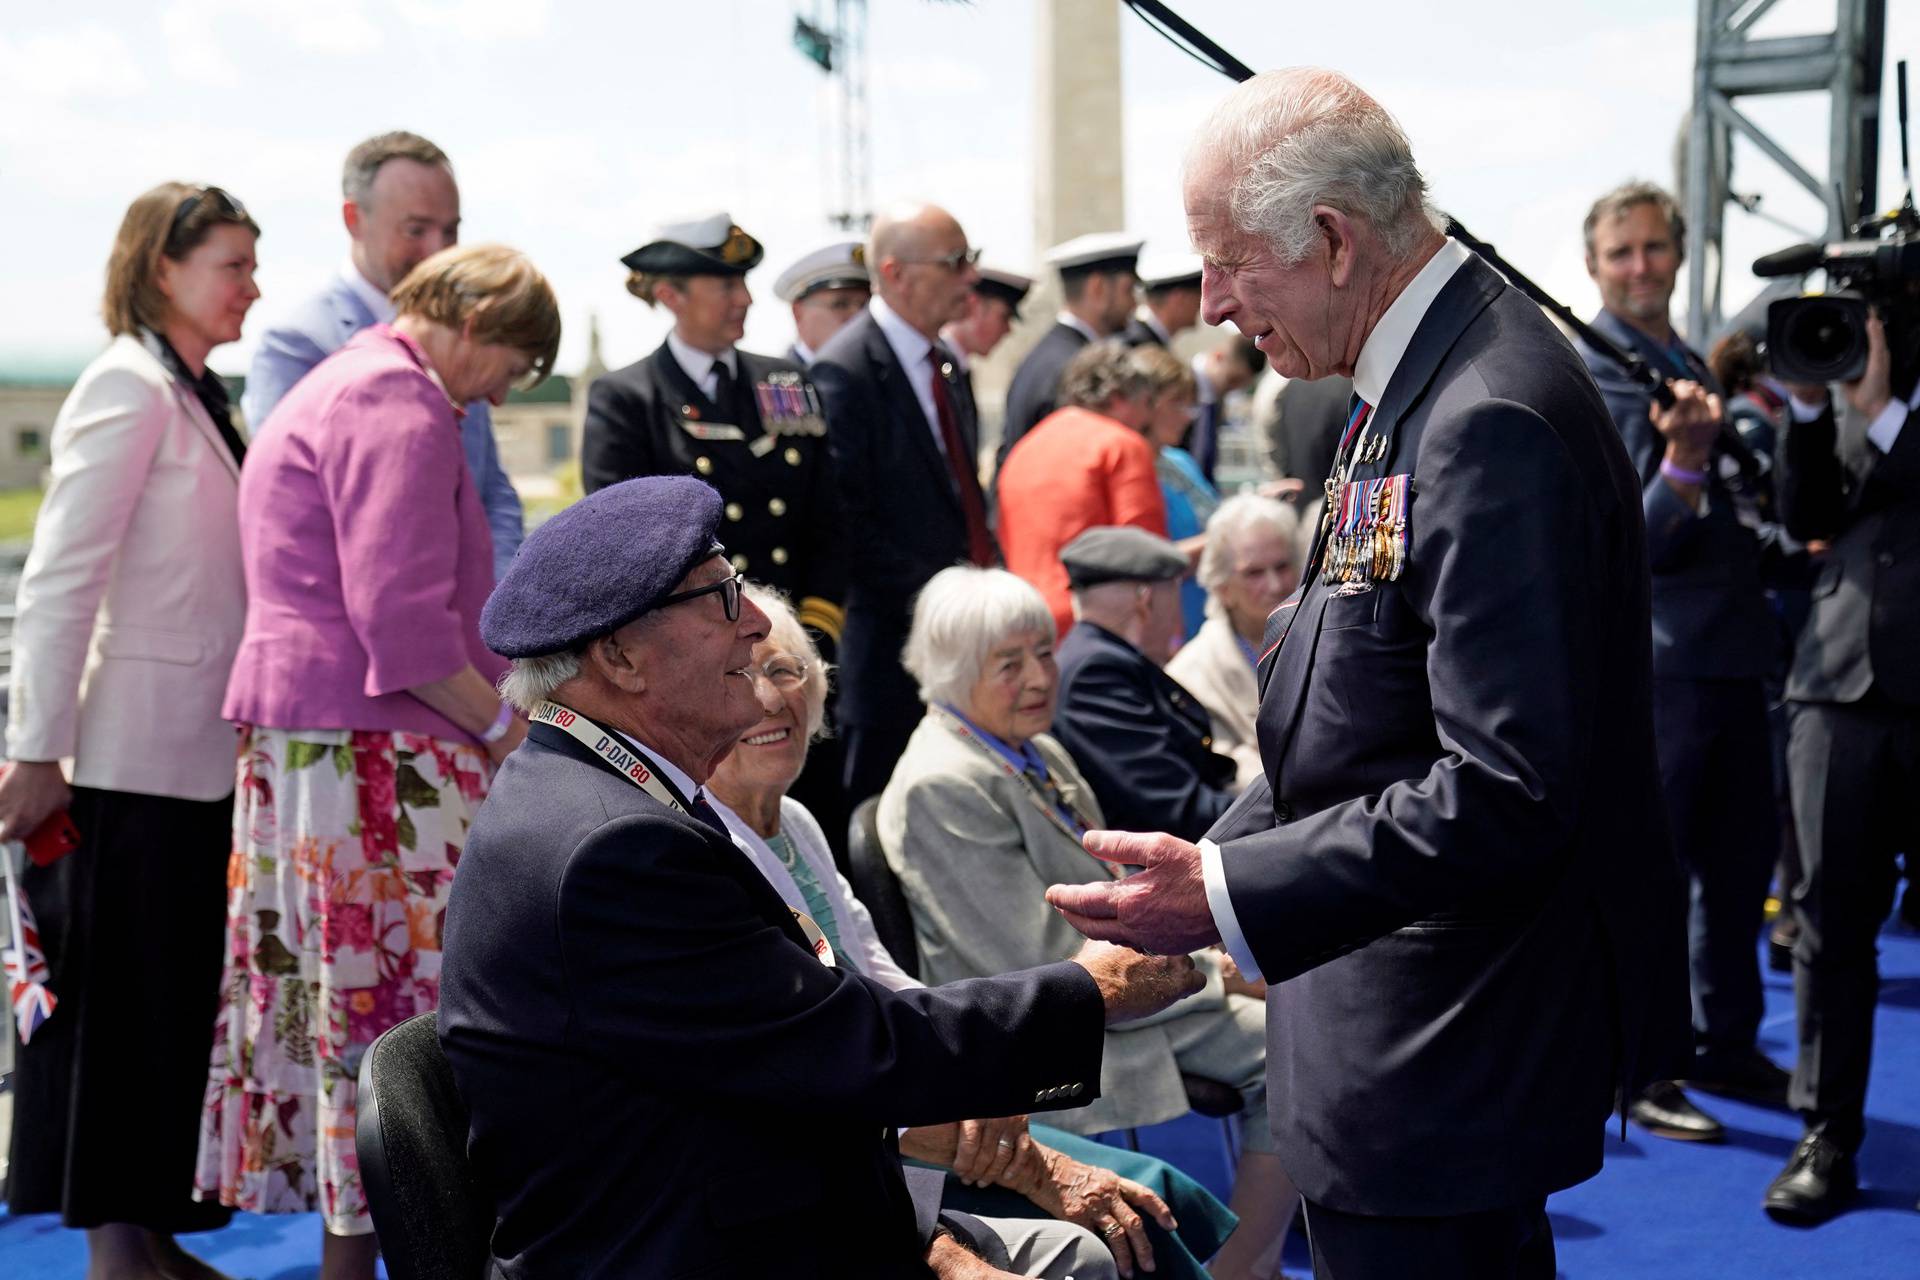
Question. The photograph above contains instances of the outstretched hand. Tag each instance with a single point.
(1160, 908)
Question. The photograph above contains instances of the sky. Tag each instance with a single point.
(576, 125)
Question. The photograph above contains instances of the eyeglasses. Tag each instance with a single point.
(728, 589)
(228, 207)
(784, 673)
(951, 261)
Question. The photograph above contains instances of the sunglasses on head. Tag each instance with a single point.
(226, 205)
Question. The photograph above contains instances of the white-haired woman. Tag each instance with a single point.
(1251, 564)
(1038, 1172)
(985, 810)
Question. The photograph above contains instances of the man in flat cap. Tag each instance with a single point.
(826, 289)
(666, 1072)
(1097, 276)
(1169, 301)
(1145, 743)
(749, 425)
(905, 441)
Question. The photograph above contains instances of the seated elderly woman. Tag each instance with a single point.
(985, 810)
(1249, 567)
(1003, 1170)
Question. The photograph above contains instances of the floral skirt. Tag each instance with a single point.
(344, 845)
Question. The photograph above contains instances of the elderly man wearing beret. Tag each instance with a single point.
(667, 1072)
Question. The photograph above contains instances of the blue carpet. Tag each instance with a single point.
(1658, 1209)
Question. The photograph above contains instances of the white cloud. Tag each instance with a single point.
(91, 60)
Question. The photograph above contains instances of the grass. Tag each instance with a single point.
(18, 507)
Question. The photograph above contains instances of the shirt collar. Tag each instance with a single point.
(803, 351)
(1146, 317)
(1387, 344)
(910, 346)
(697, 363)
(1078, 325)
(378, 305)
(681, 780)
(1021, 758)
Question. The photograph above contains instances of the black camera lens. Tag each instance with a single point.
(1822, 338)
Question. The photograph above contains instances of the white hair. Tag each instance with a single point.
(528, 682)
(961, 615)
(1303, 136)
(1239, 515)
(785, 631)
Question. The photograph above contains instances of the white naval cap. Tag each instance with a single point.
(1116, 249)
(1009, 286)
(841, 265)
(1168, 270)
(706, 243)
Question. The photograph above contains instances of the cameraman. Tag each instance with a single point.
(1714, 643)
(1853, 757)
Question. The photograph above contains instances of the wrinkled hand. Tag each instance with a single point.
(31, 791)
(1138, 984)
(1871, 391)
(1104, 1203)
(988, 1150)
(1689, 424)
(1162, 907)
(949, 1260)
(1235, 983)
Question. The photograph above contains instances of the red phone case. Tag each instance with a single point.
(53, 839)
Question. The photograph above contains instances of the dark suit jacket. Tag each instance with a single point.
(664, 1080)
(1456, 873)
(1711, 620)
(1143, 742)
(1035, 390)
(902, 510)
(783, 513)
(1864, 633)
(1305, 431)
(1139, 334)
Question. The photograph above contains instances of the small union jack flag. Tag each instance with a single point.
(25, 962)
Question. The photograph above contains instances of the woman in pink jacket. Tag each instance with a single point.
(369, 725)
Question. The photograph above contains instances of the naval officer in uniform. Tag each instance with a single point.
(749, 425)
(827, 288)
(1097, 275)
(1169, 301)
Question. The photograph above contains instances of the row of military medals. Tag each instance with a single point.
(1366, 520)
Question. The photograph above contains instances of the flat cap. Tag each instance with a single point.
(599, 564)
(1169, 271)
(1009, 286)
(1120, 553)
(842, 265)
(1096, 251)
(710, 244)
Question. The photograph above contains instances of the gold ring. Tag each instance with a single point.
(1112, 1229)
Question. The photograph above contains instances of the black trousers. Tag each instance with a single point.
(1514, 1243)
(872, 751)
(1716, 769)
(1855, 770)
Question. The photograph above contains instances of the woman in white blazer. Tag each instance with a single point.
(130, 609)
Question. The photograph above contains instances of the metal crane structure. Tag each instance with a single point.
(834, 38)
(1731, 64)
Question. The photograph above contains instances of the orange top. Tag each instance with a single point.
(1076, 469)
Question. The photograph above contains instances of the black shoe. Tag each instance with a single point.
(1750, 1076)
(1818, 1182)
(1663, 1111)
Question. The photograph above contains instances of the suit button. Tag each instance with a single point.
(779, 555)
(777, 506)
(733, 511)
(1283, 811)
(1076, 1091)
(703, 465)
(1885, 559)
(1207, 740)
(792, 455)
(739, 564)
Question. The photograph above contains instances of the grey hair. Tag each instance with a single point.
(1237, 515)
(1101, 373)
(1304, 136)
(784, 630)
(1629, 195)
(961, 614)
(528, 682)
(364, 161)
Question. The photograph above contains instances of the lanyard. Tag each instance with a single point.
(632, 766)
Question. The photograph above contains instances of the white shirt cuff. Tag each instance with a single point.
(1884, 430)
(1214, 873)
(1804, 412)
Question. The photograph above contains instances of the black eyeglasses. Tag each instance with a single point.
(227, 206)
(728, 587)
(951, 261)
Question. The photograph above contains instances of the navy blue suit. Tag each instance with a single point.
(1716, 639)
(1144, 743)
(663, 1079)
(1455, 874)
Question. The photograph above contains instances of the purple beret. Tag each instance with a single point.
(599, 564)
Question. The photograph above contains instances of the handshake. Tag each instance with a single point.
(1134, 984)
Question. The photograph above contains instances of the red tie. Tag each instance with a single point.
(965, 478)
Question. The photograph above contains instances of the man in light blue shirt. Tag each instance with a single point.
(401, 207)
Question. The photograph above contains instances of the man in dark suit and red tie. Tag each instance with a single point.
(904, 438)
(1455, 875)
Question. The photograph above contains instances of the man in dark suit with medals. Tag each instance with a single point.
(667, 1073)
(1455, 875)
(1097, 276)
(905, 442)
(752, 426)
